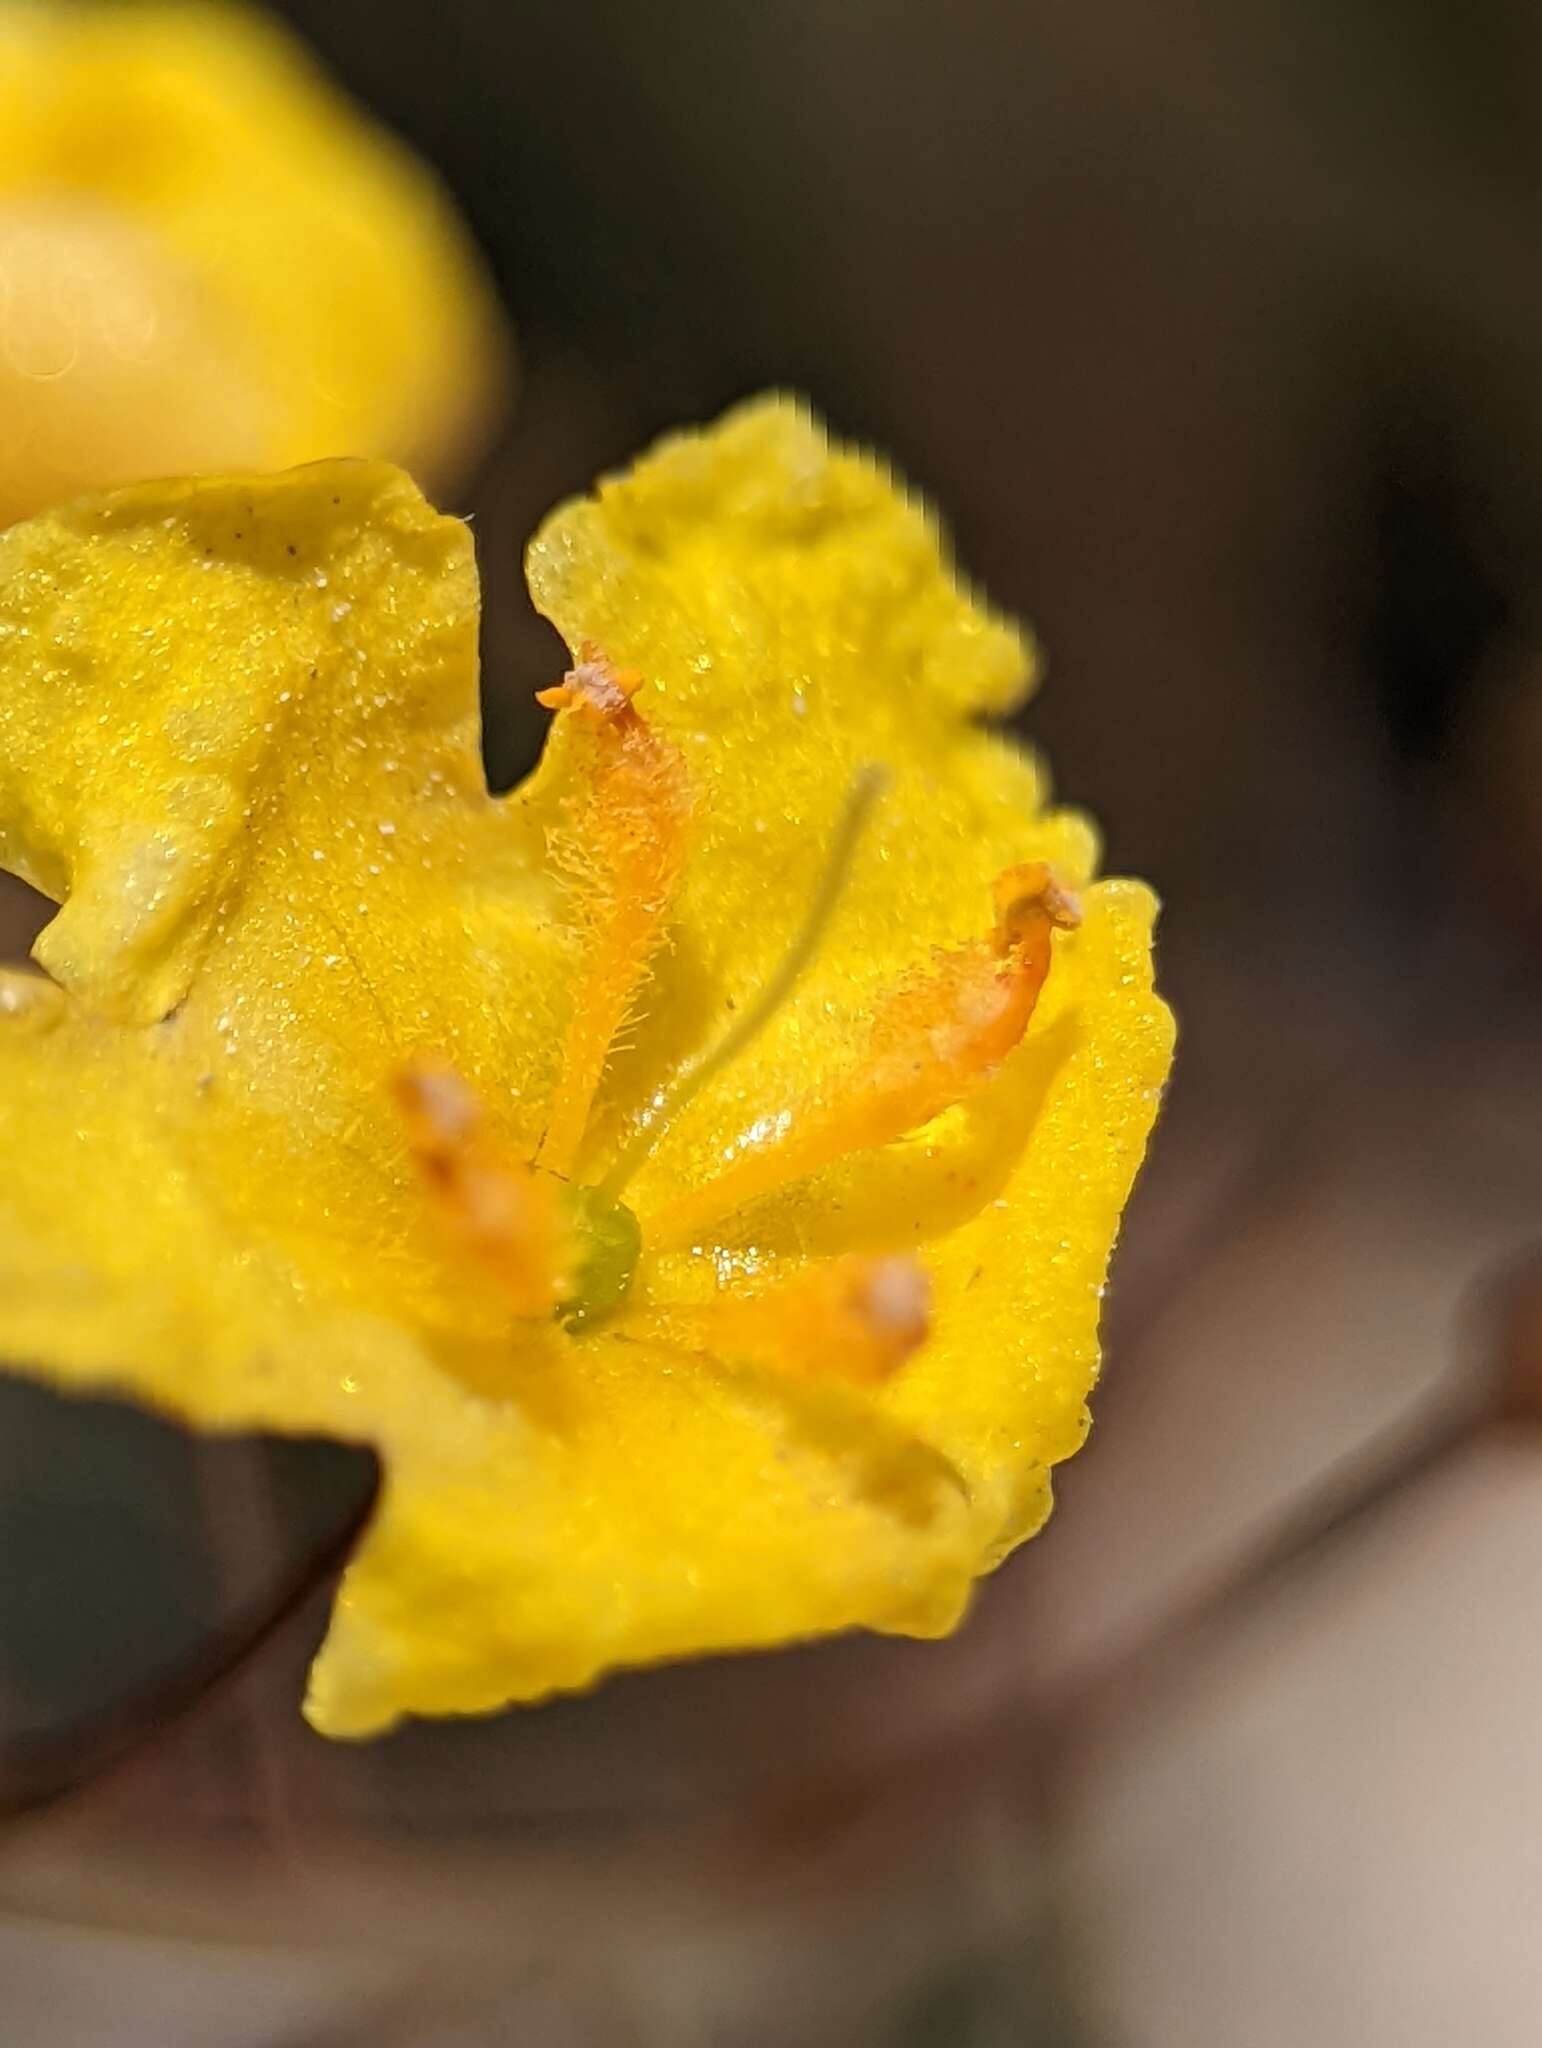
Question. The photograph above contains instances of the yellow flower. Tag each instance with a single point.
(652, 1164)
(209, 261)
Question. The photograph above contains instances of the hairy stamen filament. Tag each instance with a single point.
(624, 852)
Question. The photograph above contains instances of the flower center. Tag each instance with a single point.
(664, 1110)
(569, 1251)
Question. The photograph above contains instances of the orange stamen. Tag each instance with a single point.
(502, 1211)
(623, 850)
(855, 1319)
(933, 1040)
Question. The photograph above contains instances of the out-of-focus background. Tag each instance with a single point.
(1216, 332)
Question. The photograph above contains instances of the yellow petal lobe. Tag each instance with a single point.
(192, 672)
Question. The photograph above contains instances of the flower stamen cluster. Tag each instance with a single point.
(571, 1250)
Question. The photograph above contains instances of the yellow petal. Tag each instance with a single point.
(210, 260)
(672, 1508)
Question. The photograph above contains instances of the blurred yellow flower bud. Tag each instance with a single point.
(209, 260)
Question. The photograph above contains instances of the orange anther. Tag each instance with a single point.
(500, 1209)
(593, 689)
(1025, 897)
(855, 1318)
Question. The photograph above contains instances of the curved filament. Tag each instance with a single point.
(655, 1121)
